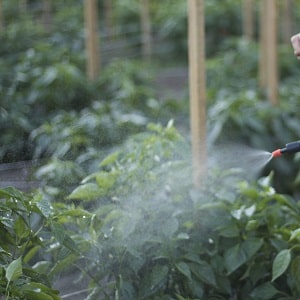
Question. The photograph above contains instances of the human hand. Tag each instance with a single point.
(295, 40)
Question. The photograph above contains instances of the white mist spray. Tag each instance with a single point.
(250, 161)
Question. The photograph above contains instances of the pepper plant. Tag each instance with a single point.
(144, 232)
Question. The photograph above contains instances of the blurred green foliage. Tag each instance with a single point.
(116, 200)
(148, 234)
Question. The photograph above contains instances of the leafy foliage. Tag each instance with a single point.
(147, 234)
(23, 223)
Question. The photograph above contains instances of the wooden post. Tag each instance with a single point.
(92, 39)
(262, 46)
(248, 19)
(287, 21)
(47, 15)
(23, 5)
(1, 16)
(271, 51)
(108, 18)
(146, 29)
(197, 82)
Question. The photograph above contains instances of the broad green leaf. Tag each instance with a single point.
(44, 206)
(183, 268)
(153, 281)
(251, 246)
(11, 192)
(58, 231)
(21, 228)
(39, 291)
(126, 290)
(229, 231)
(106, 180)
(14, 269)
(265, 291)
(42, 266)
(295, 234)
(234, 257)
(196, 288)
(204, 272)
(63, 238)
(159, 275)
(281, 263)
(223, 283)
(252, 225)
(110, 159)
(37, 294)
(88, 191)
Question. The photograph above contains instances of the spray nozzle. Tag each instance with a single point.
(292, 147)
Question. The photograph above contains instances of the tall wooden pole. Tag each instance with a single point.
(108, 18)
(1, 16)
(146, 29)
(262, 46)
(23, 5)
(271, 51)
(197, 82)
(248, 19)
(47, 15)
(92, 39)
(287, 21)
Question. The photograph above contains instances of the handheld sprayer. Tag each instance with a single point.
(292, 147)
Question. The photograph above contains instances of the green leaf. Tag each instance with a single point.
(196, 288)
(88, 191)
(110, 159)
(39, 291)
(234, 257)
(63, 238)
(229, 231)
(10, 192)
(58, 231)
(251, 246)
(204, 272)
(295, 234)
(21, 228)
(265, 291)
(183, 268)
(241, 253)
(44, 206)
(14, 269)
(154, 281)
(106, 180)
(281, 263)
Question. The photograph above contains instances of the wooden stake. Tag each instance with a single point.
(287, 21)
(271, 51)
(1, 16)
(248, 19)
(197, 82)
(47, 15)
(92, 39)
(108, 18)
(23, 5)
(262, 46)
(146, 30)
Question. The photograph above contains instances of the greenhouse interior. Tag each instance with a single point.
(150, 150)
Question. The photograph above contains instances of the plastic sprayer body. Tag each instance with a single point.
(292, 147)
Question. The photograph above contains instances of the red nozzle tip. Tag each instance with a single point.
(276, 153)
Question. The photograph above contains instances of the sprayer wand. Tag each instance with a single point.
(292, 147)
